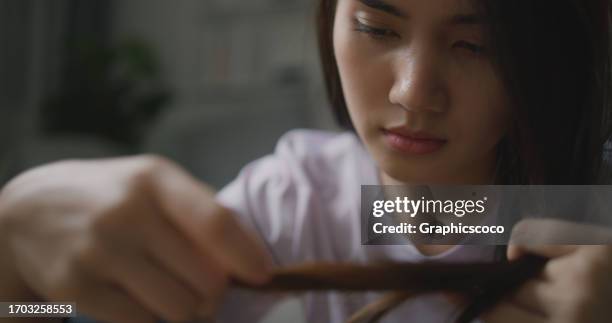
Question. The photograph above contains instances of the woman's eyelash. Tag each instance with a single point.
(378, 33)
(382, 33)
(470, 46)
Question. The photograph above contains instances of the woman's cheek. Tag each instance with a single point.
(487, 119)
(363, 80)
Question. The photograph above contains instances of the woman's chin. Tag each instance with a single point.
(403, 172)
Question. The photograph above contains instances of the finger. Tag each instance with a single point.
(506, 312)
(557, 232)
(193, 267)
(111, 304)
(535, 296)
(210, 226)
(373, 312)
(238, 250)
(156, 289)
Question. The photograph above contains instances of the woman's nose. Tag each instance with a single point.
(418, 85)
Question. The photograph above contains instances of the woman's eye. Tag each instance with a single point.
(476, 49)
(378, 33)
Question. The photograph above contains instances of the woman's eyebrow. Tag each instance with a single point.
(467, 19)
(385, 7)
(459, 19)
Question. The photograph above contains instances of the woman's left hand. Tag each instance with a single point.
(575, 285)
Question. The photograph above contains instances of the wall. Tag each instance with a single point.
(242, 72)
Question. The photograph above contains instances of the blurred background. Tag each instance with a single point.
(211, 84)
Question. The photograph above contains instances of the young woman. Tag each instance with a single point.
(444, 92)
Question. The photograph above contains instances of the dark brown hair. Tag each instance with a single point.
(554, 58)
(481, 284)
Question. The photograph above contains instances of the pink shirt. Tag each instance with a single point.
(304, 202)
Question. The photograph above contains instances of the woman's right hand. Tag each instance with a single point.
(129, 240)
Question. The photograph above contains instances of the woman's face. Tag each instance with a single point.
(421, 90)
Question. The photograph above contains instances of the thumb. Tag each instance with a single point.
(553, 238)
(548, 251)
(191, 206)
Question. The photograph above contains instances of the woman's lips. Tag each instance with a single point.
(415, 143)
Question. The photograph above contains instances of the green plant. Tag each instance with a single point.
(112, 93)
